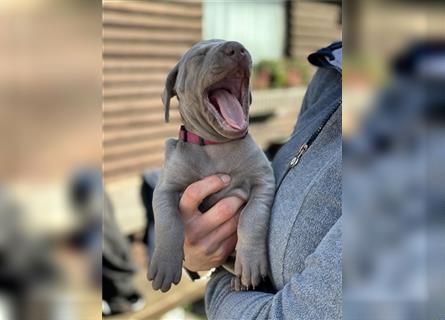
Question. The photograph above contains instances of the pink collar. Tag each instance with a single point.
(190, 137)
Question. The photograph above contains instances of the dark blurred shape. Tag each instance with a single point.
(272, 150)
(394, 238)
(115, 270)
(414, 98)
(85, 186)
(149, 180)
(87, 200)
(26, 265)
(423, 59)
(118, 268)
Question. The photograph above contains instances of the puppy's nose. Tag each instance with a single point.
(234, 50)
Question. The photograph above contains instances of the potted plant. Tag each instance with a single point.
(262, 74)
(278, 74)
(296, 73)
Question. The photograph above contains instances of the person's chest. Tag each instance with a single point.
(307, 203)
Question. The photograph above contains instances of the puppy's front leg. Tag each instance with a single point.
(251, 262)
(166, 262)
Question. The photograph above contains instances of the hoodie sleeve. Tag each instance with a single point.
(315, 293)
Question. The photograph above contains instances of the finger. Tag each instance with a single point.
(218, 236)
(215, 217)
(195, 193)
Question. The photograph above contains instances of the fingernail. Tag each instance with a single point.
(224, 178)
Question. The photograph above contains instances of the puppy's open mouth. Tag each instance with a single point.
(228, 100)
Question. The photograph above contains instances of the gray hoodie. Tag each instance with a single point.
(305, 247)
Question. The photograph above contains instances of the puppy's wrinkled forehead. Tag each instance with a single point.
(202, 51)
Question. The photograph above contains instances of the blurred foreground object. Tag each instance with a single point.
(26, 268)
(50, 124)
(394, 195)
(117, 268)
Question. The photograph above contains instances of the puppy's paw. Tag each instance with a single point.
(165, 270)
(250, 266)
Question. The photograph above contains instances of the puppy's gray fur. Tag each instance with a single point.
(252, 178)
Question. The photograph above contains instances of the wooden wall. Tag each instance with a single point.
(313, 25)
(142, 42)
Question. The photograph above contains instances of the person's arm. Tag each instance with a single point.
(315, 293)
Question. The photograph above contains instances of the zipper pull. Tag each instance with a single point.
(297, 157)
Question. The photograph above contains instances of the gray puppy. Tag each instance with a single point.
(211, 82)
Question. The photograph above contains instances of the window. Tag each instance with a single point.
(259, 25)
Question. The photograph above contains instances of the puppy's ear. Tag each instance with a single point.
(169, 91)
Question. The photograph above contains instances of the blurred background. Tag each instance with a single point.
(393, 156)
(50, 116)
(143, 40)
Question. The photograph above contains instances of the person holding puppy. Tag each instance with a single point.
(305, 228)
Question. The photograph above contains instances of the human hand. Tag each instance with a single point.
(210, 237)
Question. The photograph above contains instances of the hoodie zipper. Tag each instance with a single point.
(296, 158)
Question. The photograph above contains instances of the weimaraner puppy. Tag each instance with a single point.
(211, 82)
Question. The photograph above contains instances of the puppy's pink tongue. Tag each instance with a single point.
(230, 108)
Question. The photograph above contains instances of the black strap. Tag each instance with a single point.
(192, 274)
(185, 132)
